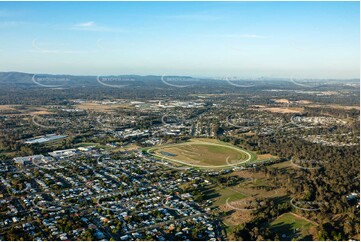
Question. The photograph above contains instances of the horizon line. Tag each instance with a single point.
(194, 76)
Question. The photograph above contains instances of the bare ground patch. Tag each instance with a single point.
(264, 156)
(283, 110)
(105, 108)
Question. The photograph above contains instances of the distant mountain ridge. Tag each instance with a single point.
(46, 79)
(24, 79)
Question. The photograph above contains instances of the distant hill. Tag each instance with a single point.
(19, 79)
(15, 77)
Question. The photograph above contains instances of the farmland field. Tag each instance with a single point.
(101, 107)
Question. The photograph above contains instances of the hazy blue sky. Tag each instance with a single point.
(246, 39)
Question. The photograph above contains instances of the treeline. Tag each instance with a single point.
(336, 177)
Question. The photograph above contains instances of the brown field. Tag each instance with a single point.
(264, 156)
(258, 106)
(23, 110)
(105, 108)
(283, 110)
(334, 106)
(280, 100)
(304, 101)
(41, 111)
(7, 107)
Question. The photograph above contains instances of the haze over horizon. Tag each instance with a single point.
(246, 39)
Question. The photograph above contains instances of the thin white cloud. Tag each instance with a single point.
(92, 26)
(86, 24)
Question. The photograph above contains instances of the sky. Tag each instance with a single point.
(202, 39)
